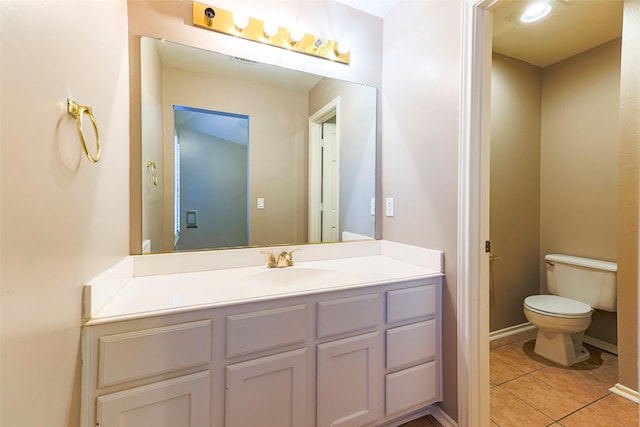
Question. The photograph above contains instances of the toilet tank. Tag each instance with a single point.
(591, 281)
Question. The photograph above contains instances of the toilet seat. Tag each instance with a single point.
(553, 305)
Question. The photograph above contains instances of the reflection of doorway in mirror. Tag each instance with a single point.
(211, 192)
(324, 177)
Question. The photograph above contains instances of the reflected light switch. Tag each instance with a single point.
(260, 203)
(192, 219)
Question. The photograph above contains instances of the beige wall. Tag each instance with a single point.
(629, 158)
(278, 125)
(420, 110)
(579, 163)
(516, 99)
(64, 220)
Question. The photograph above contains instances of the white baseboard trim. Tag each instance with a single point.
(601, 344)
(442, 417)
(511, 330)
(409, 417)
(625, 392)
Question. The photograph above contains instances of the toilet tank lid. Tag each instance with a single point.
(582, 262)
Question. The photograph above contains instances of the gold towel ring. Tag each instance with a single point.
(77, 111)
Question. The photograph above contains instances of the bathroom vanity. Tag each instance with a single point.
(348, 336)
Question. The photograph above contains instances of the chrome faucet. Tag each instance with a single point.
(285, 259)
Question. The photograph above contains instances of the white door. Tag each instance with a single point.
(329, 202)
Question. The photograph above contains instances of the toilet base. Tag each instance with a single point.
(562, 348)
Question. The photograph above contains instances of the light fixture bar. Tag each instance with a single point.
(221, 21)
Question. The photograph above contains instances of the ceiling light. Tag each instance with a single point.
(535, 12)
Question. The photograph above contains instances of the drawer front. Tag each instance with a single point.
(411, 387)
(267, 329)
(347, 315)
(411, 303)
(139, 354)
(411, 344)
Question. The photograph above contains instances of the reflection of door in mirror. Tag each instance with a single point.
(329, 197)
(324, 177)
(211, 179)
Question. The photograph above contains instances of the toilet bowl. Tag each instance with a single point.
(561, 323)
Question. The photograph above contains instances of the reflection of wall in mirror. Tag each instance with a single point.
(151, 112)
(357, 150)
(278, 170)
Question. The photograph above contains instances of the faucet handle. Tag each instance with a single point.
(272, 263)
(289, 257)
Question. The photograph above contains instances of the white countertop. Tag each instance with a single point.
(131, 291)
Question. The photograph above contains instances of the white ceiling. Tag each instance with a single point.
(573, 27)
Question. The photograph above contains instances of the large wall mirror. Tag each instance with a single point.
(237, 153)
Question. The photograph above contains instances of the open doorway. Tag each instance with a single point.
(324, 177)
(211, 166)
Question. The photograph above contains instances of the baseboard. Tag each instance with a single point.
(601, 344)
(625, 392)
(442, 417)
(511, 330)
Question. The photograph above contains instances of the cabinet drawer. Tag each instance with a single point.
(267, 329)
(411, 387)
(411, 303)
(139, 354)
(347, 315)
(411, 344)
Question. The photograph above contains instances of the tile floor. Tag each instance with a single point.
(529, 391)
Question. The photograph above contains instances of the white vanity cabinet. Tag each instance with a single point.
(363, 356)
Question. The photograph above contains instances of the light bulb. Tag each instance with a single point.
(344, 47)
(295, 35)
(240, 20)
(270, 28)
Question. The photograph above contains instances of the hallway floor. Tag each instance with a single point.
(529, 391)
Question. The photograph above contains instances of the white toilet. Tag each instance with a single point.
(577, 287)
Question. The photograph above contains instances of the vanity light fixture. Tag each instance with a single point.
(240, 25)
(535, 12)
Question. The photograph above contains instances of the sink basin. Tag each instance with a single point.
(295, 276)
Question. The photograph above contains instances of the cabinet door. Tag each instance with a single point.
(348, 387)
(179, 402)
(267, 392)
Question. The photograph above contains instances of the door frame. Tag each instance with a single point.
(332, 108)
(473, 214)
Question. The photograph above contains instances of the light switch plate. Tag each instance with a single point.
(389, 206)
(373, 206)
(260, 203)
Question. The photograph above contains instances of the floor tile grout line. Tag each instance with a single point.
(588, 404)
(527, 403)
